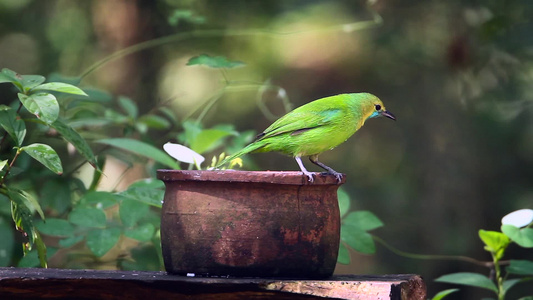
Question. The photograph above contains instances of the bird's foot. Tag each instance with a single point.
(337, 175)
(310, 176)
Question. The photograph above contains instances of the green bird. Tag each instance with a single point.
(315, 127)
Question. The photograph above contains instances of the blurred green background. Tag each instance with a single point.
(457, 74)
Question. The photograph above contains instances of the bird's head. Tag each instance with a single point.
(374, 108)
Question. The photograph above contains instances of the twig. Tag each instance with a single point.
(487, 264)
(9, 167)
(348, 27)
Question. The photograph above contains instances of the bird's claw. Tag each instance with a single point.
(337, 175)
(310, 176)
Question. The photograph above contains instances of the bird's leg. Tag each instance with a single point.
(304, 170)
(314, 159)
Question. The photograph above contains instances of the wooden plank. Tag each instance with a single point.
(31, 283)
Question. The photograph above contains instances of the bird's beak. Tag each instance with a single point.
(388, 114)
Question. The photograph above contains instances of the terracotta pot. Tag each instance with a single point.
(256, 224)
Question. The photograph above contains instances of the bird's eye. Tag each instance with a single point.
(378, 107)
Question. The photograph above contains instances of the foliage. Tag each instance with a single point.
(99, 222)
(496, 243)
(79, 216)
(35, 97)
(354, 229)
(216, 62)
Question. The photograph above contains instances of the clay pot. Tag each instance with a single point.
(251, 224)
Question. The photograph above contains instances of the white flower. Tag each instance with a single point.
(519, 218)
(183, 154)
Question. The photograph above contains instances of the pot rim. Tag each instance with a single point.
(275, 177)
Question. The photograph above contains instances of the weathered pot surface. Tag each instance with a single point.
(256, 224)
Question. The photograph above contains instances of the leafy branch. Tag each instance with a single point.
(36, 97)
(515, 229)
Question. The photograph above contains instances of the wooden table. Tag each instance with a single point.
(32, 283)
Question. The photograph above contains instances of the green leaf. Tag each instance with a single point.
(3, 163)
(208, 139)
(5, 78)
(495, 242)
(117, 117)
(46, 156)
(71, 241)
(358, 239)
(155, 122)
(440, 295)
(344, 255)
(56, 194)
(33, 202)
(8, 242)
(362, 220)
(169, 114)
(132, 211)
(142, 149)
(521, 236)
(25, 198)
(58, 77)
(150, 196)
(97, 95)
(56, 227)
(344, 201)
(12, 124)
(73, 137)
(60, 87)
(97, 174)
(5, 204)
(470, 279)
(42, 105)
(520, 267)
(149, 183)
(100, 199)
(190, 130)
(31, 81)
(101, 241)
(31, 259)
(143, 232)
(508, 284)
(22, 217)
(128, 106)
(186, 15)
(11, 76)
(214, 62)
(41, 249)
(87, 217)
(145, 257)
(23, 220)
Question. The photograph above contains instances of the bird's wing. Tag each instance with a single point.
(299, 121)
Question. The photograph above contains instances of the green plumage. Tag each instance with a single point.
(316, 127)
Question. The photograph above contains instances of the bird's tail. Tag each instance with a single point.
(250, 148)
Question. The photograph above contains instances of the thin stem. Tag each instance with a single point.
(487, 264)
(210, 33)
(499, 278)
(233, 86)
(10, 166)
(121, 177)
(225, 75)
(287, 105)
(210, 104)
